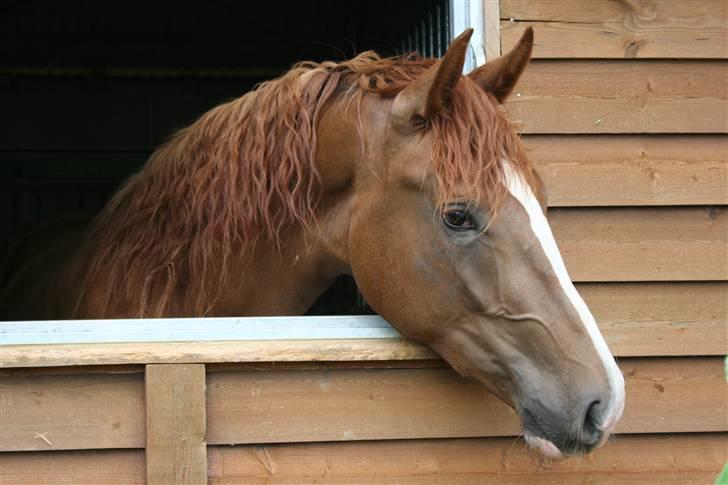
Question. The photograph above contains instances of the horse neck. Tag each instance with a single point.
(286, 277)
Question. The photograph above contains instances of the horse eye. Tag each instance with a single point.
(458, 219)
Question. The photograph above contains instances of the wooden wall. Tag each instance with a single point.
(624, 110)
(404, 421)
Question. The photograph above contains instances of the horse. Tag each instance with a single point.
(401, 172)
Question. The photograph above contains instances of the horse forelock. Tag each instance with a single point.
(245, 171)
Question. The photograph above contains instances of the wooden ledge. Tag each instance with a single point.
(332, 350)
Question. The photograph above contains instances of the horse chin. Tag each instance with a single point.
(544, 446)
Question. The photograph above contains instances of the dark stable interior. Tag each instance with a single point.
(88, 89)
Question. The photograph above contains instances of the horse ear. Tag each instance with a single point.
(430, 93)
(500, 76)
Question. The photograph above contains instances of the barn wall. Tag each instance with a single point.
(390, 421)
(624, 109)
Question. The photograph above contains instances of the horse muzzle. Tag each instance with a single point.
(572, 431)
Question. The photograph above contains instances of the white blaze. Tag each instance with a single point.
(540, 226)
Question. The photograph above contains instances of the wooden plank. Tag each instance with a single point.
(107, 467)
(71, 412)
(72, 370)
(621, 97)
(605, 11)
(632, 170)
(644, 29)
(675, 459)
(664, 395)
(199, 352)
(645, 244)
(661, 319)
(176, 451)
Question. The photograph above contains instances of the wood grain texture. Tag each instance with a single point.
(672, 459)
(93, 467)
(606, 29)
(661, 319)
(71, 412)
(621, 97)
(645, 244)
(176, 451)
(632, 170)
(663, 396)
(675, 459)
(200, 352)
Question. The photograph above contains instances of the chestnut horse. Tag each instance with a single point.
(401, 172)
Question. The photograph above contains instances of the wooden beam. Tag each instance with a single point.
(632, 170)
(176, 451)
(577, 96)
(654, 29)
(664, 395)
(674, 459)
(213, 352)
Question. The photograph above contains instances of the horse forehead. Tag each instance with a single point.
(512, 223)
(411, 158)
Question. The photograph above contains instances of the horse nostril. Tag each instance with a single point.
(591, 432)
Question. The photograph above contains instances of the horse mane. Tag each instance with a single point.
(245, 170)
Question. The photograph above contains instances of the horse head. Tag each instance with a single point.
(448, 240)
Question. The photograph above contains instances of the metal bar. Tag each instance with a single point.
(195, 329)
(438, 36)
(431, 35)
(423, 39)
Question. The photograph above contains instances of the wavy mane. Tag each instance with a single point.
(245, 170)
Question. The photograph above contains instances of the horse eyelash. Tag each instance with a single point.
(420, 122)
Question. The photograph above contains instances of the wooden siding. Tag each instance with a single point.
(681, 459)
(106, 410)
(670, 459)
(644, 244)
(598, 96)
(632, 170)
(624, 111)
(625, 29)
